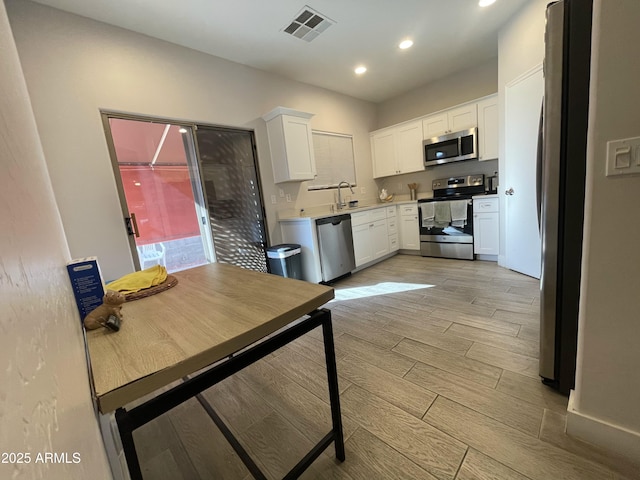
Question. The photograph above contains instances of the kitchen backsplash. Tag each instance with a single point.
(397, 184)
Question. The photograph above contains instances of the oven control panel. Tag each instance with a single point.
(457, 182)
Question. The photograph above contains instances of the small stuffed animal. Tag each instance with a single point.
(103, 315)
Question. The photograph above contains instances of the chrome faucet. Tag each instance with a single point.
(341, 204)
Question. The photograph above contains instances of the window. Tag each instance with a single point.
(334, 160)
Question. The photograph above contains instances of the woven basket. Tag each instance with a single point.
(171, 281)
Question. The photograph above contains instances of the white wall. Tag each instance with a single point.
(606, 400)
(461, 87)
(75, 66)
(45, 401)
(520, 48)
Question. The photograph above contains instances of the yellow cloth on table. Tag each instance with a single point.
(136, 281)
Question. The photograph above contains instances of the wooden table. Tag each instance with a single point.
(211, 317)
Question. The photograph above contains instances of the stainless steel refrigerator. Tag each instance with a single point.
(561, 185)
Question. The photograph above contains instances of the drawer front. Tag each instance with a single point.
(393, 243)
(409, 209)
(378, 214)
(392, 212)
(486, 205)
(360, 218)
(392, 226)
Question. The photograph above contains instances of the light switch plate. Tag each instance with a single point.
(288, 197)
(274, 200)
(623, 157)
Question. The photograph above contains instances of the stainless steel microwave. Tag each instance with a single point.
(452, 147)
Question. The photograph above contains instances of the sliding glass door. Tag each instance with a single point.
(190, 194)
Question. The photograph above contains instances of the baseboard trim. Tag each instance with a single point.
(602, 433)
(487, 258)
(409, 252)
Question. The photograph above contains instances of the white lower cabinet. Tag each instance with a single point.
(375, 236)
(379, 239)
(361, 244)
(486, 226)
(392, 228)
(409, 227)
(370, 235)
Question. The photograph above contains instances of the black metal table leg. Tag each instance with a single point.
(128, 421)
(233, 441)
(332, 377)
(129, 448)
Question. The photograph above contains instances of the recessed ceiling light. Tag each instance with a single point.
(360, 70)
(486, 3)
(405, 44)
(182, 130)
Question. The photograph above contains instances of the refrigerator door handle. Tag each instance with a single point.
(539, 166)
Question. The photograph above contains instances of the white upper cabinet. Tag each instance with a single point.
(383, 152)
(291, 145)
(435, 125)
(452, 120)
(397, 150)
(488, 128)
(463, 117)
(409, 147)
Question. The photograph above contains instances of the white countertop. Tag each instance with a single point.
(324, 211)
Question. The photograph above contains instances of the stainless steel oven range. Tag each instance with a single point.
(446, 220)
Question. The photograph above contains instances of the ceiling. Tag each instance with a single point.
(448, 35)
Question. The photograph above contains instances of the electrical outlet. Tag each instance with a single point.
(281, 192)
(363, 190)
(399, 185)
(289, 197)
(274, 200)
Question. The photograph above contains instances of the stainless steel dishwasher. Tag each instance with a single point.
(336, 246)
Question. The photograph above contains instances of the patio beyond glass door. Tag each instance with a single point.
(164, 205)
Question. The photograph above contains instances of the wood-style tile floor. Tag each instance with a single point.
(438, 364)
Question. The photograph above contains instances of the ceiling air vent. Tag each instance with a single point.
(308, 24)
